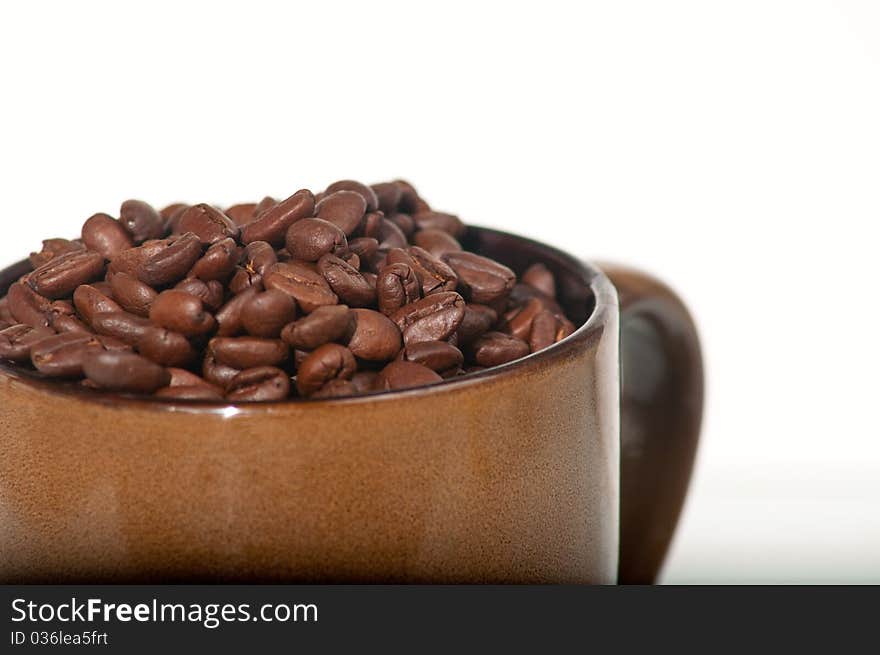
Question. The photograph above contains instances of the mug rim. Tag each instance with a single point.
(605, 300)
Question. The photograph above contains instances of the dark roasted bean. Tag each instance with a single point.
(325, 324)
(496, 348)
(62, 318)
(311, 238)
(396, 285)
(122, 371)
(434, 275)
(365, 192)
(303, 283)
(172, 263)
(180, 377)
(242, 279)
(218, 262)
(347, 283)
(544, 329)
(171, 216)
(539, 277)
(388, 196)
(335, 389)
(271, 224)
(16, 341)
(404, 222)
(229, 317)
(105, 235)
(121, 325)
(59, 277)
(262, 384)
(132, 295)
(248, 352)
(89, 301)
(265, 314)
(363, 247)
(129, 261)
(141, 220)
(372, 224)
(344, 209)
(329, 362)
(364, 381)
(217, 373)
(27, 306)
(518, 321)
(208, 223)
(241, 214)
(438, 356)
(211, 293)
(267, 203)
(480, 279)
(165, 347)
(195, 392)
(405, 375)
(410, 202)
(259, 256)
(436, 242)
(62, 355)
(434, 318)
(53, 248)
(440, 221)
(477, 320)
(390, 236)
(181, 312)
(375, 338)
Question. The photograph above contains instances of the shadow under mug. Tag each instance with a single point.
(545, 470)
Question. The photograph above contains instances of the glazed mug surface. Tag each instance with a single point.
(544, 470)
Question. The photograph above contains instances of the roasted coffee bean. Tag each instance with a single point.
(539, 277)
(59, 277)
(180, 377)
(371, 225)
(325, 324)
(265, 314)
(121, 371)
(302, 283)
(436, 242)
(518, 321)
(365, 192)
(53, 248)
(262, 384)
(364, 381)
(243, 279)
(62, 318)
(62, 355)
(363, 247)
(141, 221)
(335, 389)
(375, 338)
(396, 286)
(405, 375)
(129, 261)
(181, 312)
(496, 348)
(390, 236)
(105, 235)
(344, 209)
(347, 283)
(217, 373)
(404, 222)
(89, 301)
(544, 330)
(16, 341)
(229, 317)
(165, 347)
(477, 320)
(121, 325)
(5, 315)
(195, 392)
(241, 214)
(258, 257)
(248, 352)
(218, 262)
(271, 224)
(388, 196)
(410, 201)
(435, 276)
(480, 279)
(523, 293)
(132, 295)
(266, 203)
(440, 221)
(171, 217)
(438, 356)
(172, 263)
(329, 362)
(27, 306)
(211, 293)
(433, 318)
(311, 238)
(208, 223)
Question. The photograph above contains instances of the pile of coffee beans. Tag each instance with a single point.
(357, 289)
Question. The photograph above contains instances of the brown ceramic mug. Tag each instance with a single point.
(544, 470)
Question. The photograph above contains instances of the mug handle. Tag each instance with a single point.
(661, 411)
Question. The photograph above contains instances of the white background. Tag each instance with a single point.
(733, 148)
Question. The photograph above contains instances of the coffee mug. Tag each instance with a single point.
(544, 470)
